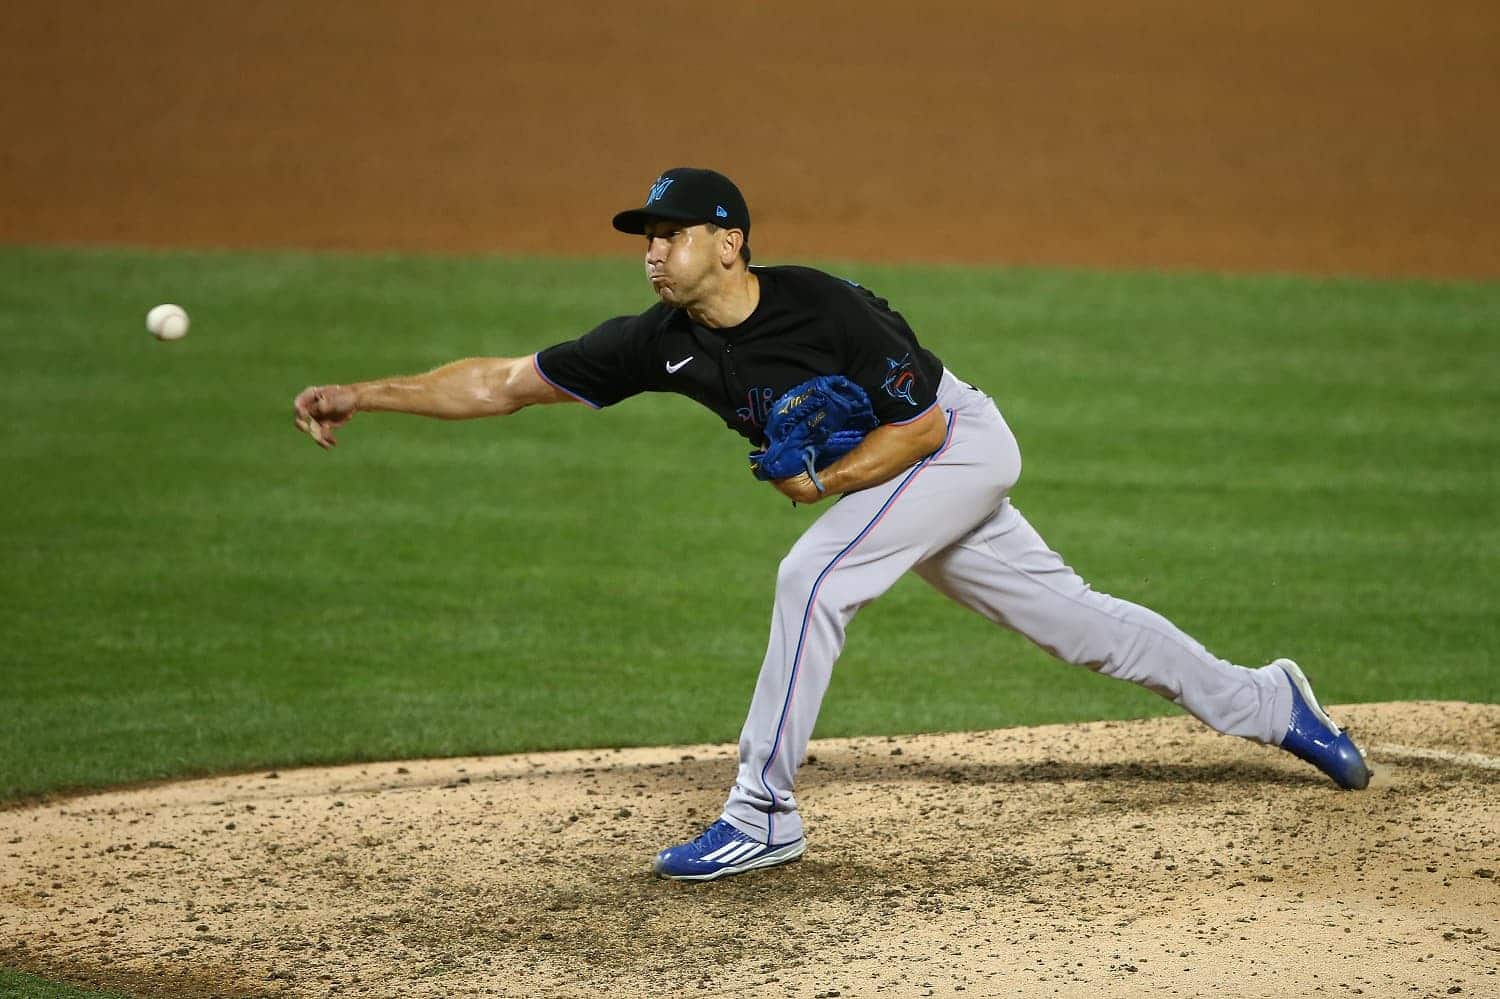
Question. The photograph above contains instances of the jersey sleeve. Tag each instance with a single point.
(900, 377)
(604, 366)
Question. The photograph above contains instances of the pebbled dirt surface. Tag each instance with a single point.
(1141, 858)
(1153, 857)
(1336, 137)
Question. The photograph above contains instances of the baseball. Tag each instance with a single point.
(167, 322)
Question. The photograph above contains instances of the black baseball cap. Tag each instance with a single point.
(689, 194)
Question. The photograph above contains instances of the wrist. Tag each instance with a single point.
(834, 480)
(358, 395)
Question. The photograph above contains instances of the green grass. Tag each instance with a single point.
(1283, 466)
(15, 985)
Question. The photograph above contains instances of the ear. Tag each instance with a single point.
(730, 241)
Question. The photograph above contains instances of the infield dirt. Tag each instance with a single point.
(1113, 858)
(1146, 857)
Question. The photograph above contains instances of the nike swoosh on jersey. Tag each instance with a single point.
(672, 369)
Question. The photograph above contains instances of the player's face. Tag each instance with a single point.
(681, 261)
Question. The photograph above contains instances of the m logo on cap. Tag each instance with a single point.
(719, 211)
(659, 188)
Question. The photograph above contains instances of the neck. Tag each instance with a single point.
(730, 304)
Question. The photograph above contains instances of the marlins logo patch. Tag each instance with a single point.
(659, 189)
(900, 379)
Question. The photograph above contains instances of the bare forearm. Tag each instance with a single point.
(462, 390)
(885, 453)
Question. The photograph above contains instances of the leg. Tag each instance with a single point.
(848, 557)
(1005, 571)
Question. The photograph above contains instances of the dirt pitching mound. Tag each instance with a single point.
(1149, 857)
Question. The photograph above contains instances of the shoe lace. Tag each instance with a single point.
(717, 834)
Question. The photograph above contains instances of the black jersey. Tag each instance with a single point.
(807, 323)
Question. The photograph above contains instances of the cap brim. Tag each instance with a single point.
(636, 220)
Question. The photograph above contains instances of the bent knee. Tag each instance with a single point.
(799, 570)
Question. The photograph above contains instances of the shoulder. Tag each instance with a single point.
(795, 278)
(655, 319)
(642, 327)
(834, 295)
(812, 287)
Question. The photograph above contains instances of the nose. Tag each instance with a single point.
(656, 250)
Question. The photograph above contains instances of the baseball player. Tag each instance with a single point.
(926, 490)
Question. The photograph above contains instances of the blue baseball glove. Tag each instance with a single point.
(812, 426)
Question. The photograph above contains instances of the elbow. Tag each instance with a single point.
(934, 432)
(937, 437)
(503, 403)
(503, 391)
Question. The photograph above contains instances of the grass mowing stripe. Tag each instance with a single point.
(1284, 466)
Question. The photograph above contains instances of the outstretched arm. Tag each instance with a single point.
(463, 390)
(886, 452)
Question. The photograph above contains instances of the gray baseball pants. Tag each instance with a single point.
(949, 519)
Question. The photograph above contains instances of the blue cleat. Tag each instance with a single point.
(722, 850)
(1313, 736)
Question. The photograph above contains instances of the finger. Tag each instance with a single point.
(311, 428)
(309, 402)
